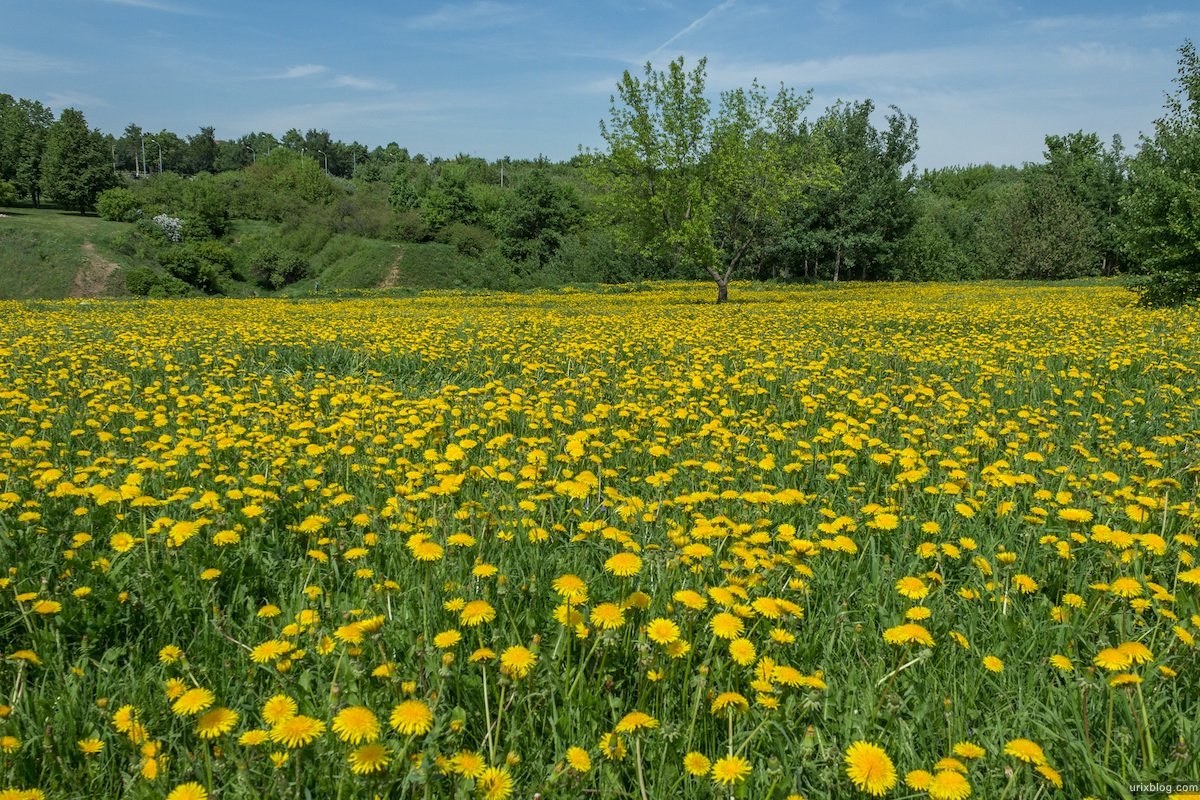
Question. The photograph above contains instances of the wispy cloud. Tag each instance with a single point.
(70, 99)
(157, 5)
(466, 16)
(14, 60)
(365, 84)
(694, 25)
(298, 71)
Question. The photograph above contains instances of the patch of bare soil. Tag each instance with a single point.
(393, 276)
(92, 278)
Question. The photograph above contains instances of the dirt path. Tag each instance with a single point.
(92, 278)
(393, 276)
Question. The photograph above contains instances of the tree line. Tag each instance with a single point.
(749, 186)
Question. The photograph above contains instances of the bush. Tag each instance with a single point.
(272, 265)
(411, 227)
(469, 240)
(1166, 289)
(140, 280)
(8, 194)
(205, 265)
(118, 204)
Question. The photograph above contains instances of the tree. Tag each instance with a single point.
(1093, 176)
(536, 217)
(24, 125)
(77, 165)
(860, 221)
(202, 151)
(1162, 210)
(695, 188)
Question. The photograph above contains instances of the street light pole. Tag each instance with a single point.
(253, 154)
(159, 146)
(322, 152)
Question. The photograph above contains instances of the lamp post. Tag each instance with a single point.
(326, 155)
(253, 154)
(159, 146)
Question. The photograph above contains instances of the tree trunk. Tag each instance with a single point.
(837, 264)
(722, 291)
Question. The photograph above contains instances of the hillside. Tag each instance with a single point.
(50, 254)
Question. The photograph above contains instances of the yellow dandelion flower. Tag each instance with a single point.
(278, 709)
(949, 785)
(216, 723)
(1025, 750)
(356, 724)
(624, 564)
(369, 758)
(635, 721)
(661, 631)
(578, 759)
(517, 661)
(730, 770)
(412, 718)
(297, 731)
(193, 701)
(870, 769)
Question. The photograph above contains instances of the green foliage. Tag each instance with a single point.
(24, 125)
(305, 180)
(469, 240)
(140, 280)
(1162, 225)
(77, 168)
(697, 188)
(538, 214)
(449, 200)
(271, 264)
(402, 196)
(118, 204)
(1166, 289)
(8, 194)
(856, 224)
(206, 265)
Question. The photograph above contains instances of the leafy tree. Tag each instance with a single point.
(538, 214)
(1093, 176)
(696, 188)
(131, 149)
(449, 200)
(24, 126)
(402, 195)
(1162, 231)
(202, 151)
(860, 221)
(77, 168)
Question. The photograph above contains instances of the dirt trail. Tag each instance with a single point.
(393, 276)
(92, 278)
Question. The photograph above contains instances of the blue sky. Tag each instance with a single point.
(986, 79)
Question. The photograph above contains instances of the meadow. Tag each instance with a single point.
(873, 540)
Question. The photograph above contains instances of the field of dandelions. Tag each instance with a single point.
(906, 541)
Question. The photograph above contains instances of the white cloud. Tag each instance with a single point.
(157, 5)
(365, 84)
(694, 25)
(299, 71)
(478, 14)
(14, 60)
(70, 99)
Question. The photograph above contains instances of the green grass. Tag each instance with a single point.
(42, 250)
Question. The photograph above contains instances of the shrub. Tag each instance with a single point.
(469, 240)
(8, 194)
(1166, 289)
(118, 204)
(171, 227)
(140, 280)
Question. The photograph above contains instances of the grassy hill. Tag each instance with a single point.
(48, 253)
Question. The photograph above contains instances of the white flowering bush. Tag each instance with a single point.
(172, 227)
